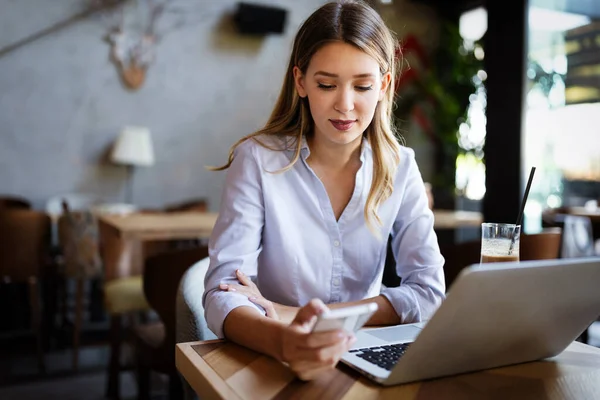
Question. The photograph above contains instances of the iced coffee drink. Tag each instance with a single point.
(496, 242)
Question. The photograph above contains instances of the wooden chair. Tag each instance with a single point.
(123, 295)
(24, 243)
(123, 299)
(12, 202)
(79, 242)
(540, 246)
(155, 343)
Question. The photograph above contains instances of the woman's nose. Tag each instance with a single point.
(345, 101)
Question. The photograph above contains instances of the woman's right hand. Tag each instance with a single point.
(309, 354)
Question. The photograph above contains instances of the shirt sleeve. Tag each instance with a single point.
(418, 259)
(235, 242)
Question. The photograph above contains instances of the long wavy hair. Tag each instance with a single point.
(355, 23)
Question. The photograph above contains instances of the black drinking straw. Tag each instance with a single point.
(520, 217)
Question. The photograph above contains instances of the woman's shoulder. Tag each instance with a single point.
(261, 144)
(406, 166)
(406, 152)
(407, 157)
(269, 152)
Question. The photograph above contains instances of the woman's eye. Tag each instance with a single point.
(325, 87)
(364, 88)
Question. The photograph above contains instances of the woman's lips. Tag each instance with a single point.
(342, 125)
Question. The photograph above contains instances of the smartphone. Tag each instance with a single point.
(350, 319)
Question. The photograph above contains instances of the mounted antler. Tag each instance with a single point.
(132, 49)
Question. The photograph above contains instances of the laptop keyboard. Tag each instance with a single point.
(383, 356)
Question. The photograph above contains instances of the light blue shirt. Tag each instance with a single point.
(280, 229)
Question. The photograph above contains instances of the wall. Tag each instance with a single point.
(62, 103)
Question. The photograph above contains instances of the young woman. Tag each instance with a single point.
(311, 199)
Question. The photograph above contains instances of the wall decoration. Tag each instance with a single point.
(133, 40)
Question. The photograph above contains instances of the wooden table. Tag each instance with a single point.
(452, 219)
(187, 225)
(593, 215)
(123, 237)
(161, 226)
(222, 370)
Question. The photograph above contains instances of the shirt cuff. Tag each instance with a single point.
(219, 304)
(405, 304)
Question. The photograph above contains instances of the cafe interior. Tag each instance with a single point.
(112, 110)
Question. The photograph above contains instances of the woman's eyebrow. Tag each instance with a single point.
(332, 75)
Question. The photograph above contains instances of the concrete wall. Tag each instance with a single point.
(62, 104)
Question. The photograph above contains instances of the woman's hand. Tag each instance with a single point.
(249, 289)
(309, 354)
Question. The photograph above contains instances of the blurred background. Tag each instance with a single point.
(115, 107)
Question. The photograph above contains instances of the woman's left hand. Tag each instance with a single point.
(249, 289)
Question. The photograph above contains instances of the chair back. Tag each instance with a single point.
(577, 237)
(11, 202)
(540, 246)
(24, 243)
(162, 274)
(199, 205)
(75, 201)
(79, 240)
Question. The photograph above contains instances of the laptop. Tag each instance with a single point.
(493, 315)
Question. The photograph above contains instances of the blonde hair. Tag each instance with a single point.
(357, 24)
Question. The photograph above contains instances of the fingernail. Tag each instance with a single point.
(252, 298)
(223, 286)
(237, 271)
(232, 289)
(341, 335)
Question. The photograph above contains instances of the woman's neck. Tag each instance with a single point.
(332, 155)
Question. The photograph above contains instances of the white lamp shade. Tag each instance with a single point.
(133, 147)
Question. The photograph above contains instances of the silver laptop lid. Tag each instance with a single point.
(501, 314)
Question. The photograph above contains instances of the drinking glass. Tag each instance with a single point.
(496, 242)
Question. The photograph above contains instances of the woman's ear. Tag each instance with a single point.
(385, 83)
(299, 81)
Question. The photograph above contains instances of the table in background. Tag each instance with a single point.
(453, 219)
(223, 370)
(123, 235)
(556, 217)
(592, 214)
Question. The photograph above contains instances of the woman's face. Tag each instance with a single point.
(343, 85)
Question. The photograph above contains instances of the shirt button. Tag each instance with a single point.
(336, 243)
(335, 281)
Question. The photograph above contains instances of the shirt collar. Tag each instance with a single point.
(364, 147)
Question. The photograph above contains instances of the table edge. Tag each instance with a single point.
(186, 359)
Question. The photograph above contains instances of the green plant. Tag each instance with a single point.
(441, 94)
